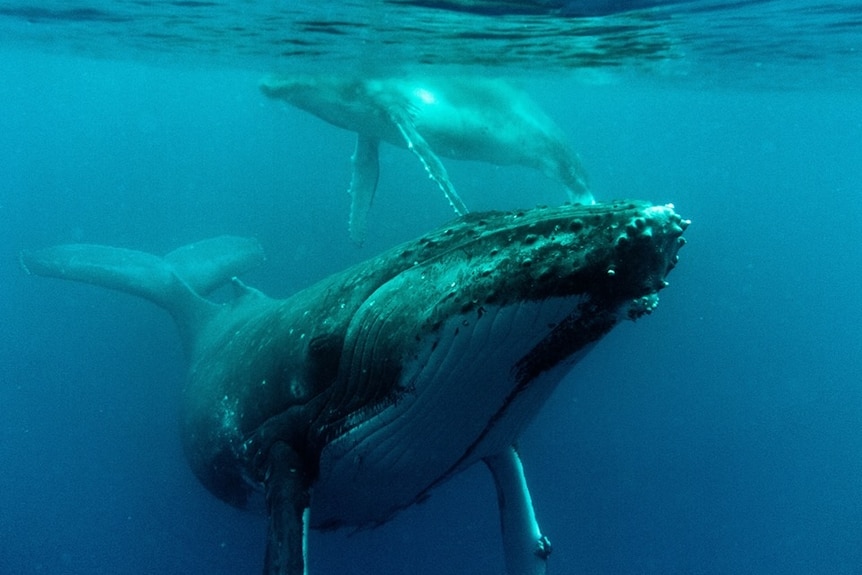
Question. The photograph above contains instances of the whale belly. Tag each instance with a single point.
(465, 401)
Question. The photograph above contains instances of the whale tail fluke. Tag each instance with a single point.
(177, 282)
(209, 264)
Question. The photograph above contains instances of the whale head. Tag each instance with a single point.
(446, 347)
(343, 102)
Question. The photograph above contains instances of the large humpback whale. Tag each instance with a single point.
(357, 396)
(462, 118)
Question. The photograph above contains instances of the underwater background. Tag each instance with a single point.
(721, 434)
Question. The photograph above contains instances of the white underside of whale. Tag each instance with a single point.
(451, 418)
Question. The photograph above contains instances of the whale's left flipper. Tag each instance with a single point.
(366, 171)
(526, 549)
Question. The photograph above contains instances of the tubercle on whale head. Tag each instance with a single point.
(614, 251)
(649, 244)
(641, 230)
(609, 261)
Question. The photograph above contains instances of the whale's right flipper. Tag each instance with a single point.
(176, 282)
(435, 168)
(565, 166)
(366, 171)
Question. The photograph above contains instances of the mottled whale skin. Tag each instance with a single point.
(464, 118)
(357, 396)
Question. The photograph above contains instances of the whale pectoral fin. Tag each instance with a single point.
(417, 144)
(582, 197)
(366, 170)
(526, 549)
(573, 175)
(288, 498)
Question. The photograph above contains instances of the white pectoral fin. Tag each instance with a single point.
(366, 170)
(571, 173)
(417, 144)
(526, 549)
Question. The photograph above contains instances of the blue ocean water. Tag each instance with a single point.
(719, 435)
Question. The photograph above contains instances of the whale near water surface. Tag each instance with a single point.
(464, 118)
(357, 396)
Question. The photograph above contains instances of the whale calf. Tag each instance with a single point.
(357, 396)
(464, 118)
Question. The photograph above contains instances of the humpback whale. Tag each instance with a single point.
(472, 118)
(357, 396)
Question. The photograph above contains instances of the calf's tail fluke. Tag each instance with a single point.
(176, 282)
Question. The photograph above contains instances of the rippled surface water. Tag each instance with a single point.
(791, 43)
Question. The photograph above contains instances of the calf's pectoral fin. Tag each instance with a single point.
(572, 174)
(366, 171)
(526, 549)
(288, 498)
(417, 144)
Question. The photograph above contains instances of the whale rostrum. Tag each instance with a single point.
(357, 396)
